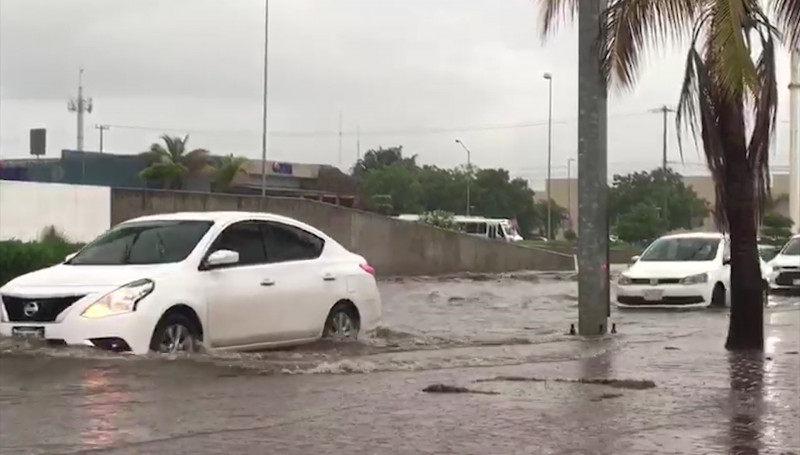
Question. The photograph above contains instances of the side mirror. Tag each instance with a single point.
(635, 258)
(726, 261)
(221, 258)
(69, 257)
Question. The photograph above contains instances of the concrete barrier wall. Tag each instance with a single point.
(393, 247)
(80, 213)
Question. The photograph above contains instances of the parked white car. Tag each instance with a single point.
(680, 271)
(224, 280)
(786, 266)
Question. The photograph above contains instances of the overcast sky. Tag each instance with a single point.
(417, 73)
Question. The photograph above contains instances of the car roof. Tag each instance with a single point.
(228, 217)
(697, 235)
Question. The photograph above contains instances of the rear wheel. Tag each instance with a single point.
(718, 296)
(342, 322)
(175, 333)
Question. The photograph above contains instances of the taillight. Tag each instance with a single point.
(368, 268)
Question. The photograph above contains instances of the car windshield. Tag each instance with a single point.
(792, 248)
(150, 242)
(677, 249)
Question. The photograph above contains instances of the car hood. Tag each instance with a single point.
(83, 278)
(677, 269)
(785, 261)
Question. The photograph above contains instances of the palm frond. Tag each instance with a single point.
(229, 169)
(630, 25)
(554, 12)
(787, 13)
(765, 109)
(698, 106)
(728, 41)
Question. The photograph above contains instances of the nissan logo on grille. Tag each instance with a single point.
(30, 309)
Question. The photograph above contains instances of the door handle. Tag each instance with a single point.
(267, 282)
(329, 277)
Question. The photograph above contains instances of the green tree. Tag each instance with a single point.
(678, 206)
(723, 86)
(398, 182)
(169, 163)
(642, 222)
(558, 215)
(228, 169)
(381, 158)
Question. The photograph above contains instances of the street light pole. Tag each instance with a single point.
(264, 103)
(102, 128)
(469, 171)
(549, 78)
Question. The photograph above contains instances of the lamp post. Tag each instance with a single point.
(264, 103)
(549, 78)
(469, 170)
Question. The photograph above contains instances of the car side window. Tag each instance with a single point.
(288, 243)
(244, 238)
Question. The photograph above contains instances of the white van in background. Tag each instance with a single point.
(478, 226)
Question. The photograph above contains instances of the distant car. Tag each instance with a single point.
(224, 280)
(680, 271)
(786, 266)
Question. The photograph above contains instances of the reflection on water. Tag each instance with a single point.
(103, 407)
(746, 397)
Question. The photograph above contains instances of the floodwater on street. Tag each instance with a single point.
(661, 384)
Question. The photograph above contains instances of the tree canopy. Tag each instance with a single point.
(645, 205)
(396, 184)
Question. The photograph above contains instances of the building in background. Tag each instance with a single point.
(311, 181)
(562, 189)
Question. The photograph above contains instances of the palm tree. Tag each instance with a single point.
(725, 95)
(228, 169)
(168, 165)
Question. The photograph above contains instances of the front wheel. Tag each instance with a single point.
(175, 333)
(342, 322)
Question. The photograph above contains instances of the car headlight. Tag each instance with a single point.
(624, 280)
(695, 279)
(120, 301)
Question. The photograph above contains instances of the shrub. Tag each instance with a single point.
(439, 218)
(18, 258)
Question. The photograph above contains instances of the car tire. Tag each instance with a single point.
(175, 333)
(342, 322)
(718, 297)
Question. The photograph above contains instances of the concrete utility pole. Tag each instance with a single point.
(264, 103)
(469, 171)
(794, 141)
(102, 128)
(593, 276)
(665, 110)
(569, 192)
(549, 78)
(80, 105)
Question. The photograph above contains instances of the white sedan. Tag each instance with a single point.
(682, 270)
(786, 266)
(223, 280)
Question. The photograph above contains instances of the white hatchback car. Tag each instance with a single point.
(786, 266)
(225, 280)
(681, 270)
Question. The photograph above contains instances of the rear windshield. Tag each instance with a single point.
(792, 248)
(149, 242)
(678, 249)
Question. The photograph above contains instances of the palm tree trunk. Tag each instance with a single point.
(746, 327)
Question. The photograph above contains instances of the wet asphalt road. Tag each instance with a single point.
(503, 337)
